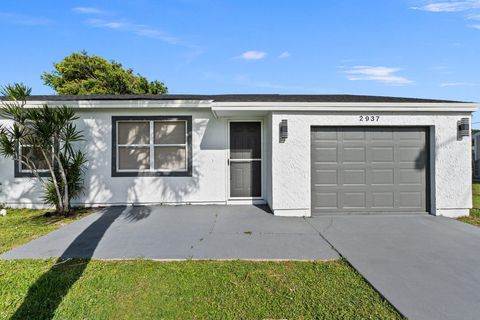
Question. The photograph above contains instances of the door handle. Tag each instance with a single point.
(228, 162)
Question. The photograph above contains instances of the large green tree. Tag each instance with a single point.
(81, 73)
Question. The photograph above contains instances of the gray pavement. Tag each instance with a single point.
(181, 232)
(427, 267)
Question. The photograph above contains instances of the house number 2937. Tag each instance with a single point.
(369, 118)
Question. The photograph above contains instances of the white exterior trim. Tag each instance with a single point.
(344, 106)
(121, 104)
(217, 107)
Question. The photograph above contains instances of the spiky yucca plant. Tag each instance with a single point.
(53, 132)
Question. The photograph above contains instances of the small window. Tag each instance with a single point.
(33, 156)
(151, 146)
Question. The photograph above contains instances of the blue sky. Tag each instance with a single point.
(397, 47)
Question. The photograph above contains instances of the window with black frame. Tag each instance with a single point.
(151, 146)
(31, 159)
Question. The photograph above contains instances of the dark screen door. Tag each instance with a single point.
(245, 159)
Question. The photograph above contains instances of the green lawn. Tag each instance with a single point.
(474, 217)
(140, 289)
(20, 226)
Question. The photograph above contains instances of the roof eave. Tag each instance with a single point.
(265, 106)
(346, 106)
(123, 104)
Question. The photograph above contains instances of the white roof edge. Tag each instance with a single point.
(92, 104)
(265, 106)
(346, 106)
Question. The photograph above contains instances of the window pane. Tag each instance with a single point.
(34, 155)
(131, 158)
(245, 140)
(133, 132)
(170, 158)
(170, 132)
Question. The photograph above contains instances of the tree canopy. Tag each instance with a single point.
(81, 73)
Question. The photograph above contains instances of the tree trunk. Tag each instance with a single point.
(59, 204)
(65, 200)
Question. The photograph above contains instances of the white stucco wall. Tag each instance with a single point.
(207, 184)
(450, 157)
(286, 175)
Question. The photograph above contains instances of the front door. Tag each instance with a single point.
(245, 159)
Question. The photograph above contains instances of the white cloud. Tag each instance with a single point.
(138, 29)
(381, 74)
(457, 84)
(142, 30)
(87, 10)
(474, 17)
(20, 19)
(284, 55)
(253, 55)
(469, 7)
(450, 6)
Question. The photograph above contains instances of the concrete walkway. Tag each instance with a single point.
(427, 267)
(181, 232)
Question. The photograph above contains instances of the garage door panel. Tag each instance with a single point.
(410, 199)
(354, 154)
(325, 177)
(327, 200)
(383, 200)
(381, 134)
(354, 177)
(325, 155)
(382, 154)
(412, 154)
(327, 134)
(382, 176)
(353, 134)
(369, 169)
(408, 134)
(410, 177)
(354, 200)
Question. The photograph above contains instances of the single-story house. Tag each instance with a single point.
(301, 155)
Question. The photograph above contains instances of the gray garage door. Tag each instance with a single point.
(369, 169)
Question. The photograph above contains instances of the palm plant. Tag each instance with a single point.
(53, 133)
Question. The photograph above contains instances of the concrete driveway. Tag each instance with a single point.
(427, 267)
(181, 232)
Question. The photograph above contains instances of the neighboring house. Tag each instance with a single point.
(300, 154)
(476, 155)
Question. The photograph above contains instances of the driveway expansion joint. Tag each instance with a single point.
(322, 236)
